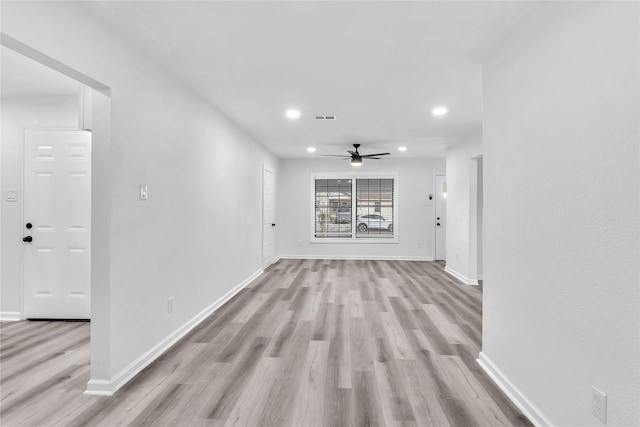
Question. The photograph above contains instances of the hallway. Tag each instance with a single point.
(310, 342)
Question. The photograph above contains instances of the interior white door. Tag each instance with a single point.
(57, 217)
(440, 219)
(268, 217)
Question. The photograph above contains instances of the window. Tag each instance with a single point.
(353, 208)
(374, 207)
(332, 208)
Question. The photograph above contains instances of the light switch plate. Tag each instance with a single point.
(143, 192)
(12, 195)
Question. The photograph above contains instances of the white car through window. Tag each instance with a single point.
(374, 222)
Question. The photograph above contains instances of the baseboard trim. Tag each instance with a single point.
(357, 258)
(10, 316)
(99, 388)
(109, 387)
(531, 411)
(460, 277)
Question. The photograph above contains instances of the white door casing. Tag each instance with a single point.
(440, 217)
(268, 217)
(57, 202)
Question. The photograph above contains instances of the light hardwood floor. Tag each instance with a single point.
(310, 342)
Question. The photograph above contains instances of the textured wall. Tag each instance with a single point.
(562, 213)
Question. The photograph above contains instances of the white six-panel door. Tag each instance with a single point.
(268, 217)
(441, 217)
(57, 204)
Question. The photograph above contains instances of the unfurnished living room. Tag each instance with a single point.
(320, 213)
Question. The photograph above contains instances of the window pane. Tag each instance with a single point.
(374, 208)
(333, 208)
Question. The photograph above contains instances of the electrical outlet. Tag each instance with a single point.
(599, 404)
(169, 304)
(12, 195)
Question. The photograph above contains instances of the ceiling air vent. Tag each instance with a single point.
(325, 117)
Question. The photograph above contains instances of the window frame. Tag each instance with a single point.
(354, 176)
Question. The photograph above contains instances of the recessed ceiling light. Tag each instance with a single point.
(402, 148)
(311, 149)
(439, 111)
(293, 114)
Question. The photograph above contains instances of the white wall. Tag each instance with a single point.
(200, 232)
(18, 114)
(461, 209)
(415, 220)
(562, 214)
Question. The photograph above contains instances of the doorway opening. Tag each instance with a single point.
(476, 223)
(268, 217)
(75, 109)
(439, 224)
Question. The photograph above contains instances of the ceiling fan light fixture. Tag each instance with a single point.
(357, 158)
(402, 148)
(311, 149)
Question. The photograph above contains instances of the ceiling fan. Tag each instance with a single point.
(356, 157)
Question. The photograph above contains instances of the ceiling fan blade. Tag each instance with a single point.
(356, 157)
(372, 155)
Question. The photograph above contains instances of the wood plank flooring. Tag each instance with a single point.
(308, 343)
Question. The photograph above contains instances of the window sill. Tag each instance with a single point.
(361, 240)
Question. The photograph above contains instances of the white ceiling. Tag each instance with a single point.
(380, 67)
(21, 76)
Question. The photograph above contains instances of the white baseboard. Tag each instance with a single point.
(100, 388)
(109, 387)
(10, 316)
(357, 258)
(531, 411)
(460, 277)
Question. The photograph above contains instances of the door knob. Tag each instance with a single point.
(29, 226)
(27, 239)
(438, 218)
(438, 224)
(273, 225)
